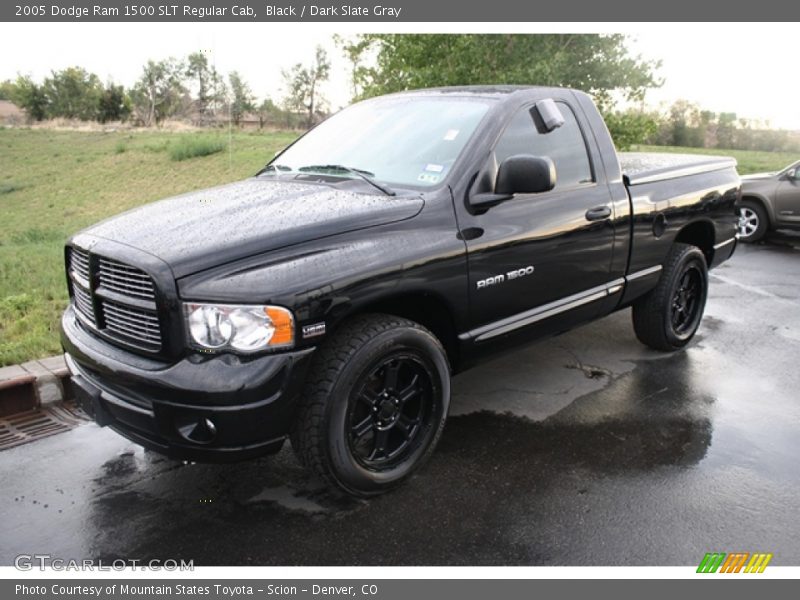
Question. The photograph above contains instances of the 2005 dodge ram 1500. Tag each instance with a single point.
(330, 297)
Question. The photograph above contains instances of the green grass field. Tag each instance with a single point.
(53, 183)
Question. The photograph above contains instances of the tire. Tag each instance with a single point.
(753, 221)
(374, 406)
(668, 316)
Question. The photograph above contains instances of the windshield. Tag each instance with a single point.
(404, 140)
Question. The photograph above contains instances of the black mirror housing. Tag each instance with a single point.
(525, 174)
(518, 174)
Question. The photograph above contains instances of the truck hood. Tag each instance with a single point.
(210, 227)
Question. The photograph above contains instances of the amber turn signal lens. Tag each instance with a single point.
(284, 326)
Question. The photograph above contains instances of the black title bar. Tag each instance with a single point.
(408, 11)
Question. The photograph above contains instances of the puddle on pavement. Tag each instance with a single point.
(287, 498)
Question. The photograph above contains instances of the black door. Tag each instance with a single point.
(549, 252)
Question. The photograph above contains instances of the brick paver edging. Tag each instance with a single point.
(33, 384)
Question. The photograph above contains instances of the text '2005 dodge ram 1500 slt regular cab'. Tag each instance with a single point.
(330, 297)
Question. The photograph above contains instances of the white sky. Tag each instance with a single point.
(743, 68)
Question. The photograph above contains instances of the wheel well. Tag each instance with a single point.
(700, 234)
(427, 310)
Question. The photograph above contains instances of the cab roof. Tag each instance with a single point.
(498, 92)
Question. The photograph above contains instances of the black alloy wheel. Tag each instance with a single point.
(389, 410)
(686, 300)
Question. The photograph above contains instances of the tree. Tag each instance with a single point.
(209, 86)
(598, 64)
(682, 123)
(705, 128)
(114, 104)
(27, 94)
(303, 85)
(630, 127)
(726, 130)
(270, 113)
(6, 89)
(73, 93)
(158, 93)
(242, 99)
(355, 50)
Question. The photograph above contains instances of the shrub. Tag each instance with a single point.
(191, 147)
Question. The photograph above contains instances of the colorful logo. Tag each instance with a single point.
(736, 562)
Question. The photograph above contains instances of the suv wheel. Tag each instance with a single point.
(374, 406)
(753, 221)
(668, 316)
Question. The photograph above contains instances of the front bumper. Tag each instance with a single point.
(203, 408)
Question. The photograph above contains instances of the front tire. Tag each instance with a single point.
(374, 406)
(668, 316)
(753, 221)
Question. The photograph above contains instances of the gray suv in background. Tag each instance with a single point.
(769, 201)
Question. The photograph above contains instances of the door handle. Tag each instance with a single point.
(598, 213)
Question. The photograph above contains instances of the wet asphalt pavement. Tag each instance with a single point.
(586, 449)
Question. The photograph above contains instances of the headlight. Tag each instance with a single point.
(242, 328)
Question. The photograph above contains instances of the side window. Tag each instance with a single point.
(565, 146)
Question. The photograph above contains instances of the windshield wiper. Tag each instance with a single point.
(365, 175)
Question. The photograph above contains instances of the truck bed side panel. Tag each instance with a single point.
(664, 209)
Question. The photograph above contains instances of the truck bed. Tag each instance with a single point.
(648, 167)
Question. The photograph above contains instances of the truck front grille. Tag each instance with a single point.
(116, 300)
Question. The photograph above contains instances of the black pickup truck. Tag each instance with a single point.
(330, 297)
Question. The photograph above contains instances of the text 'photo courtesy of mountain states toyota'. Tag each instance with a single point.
(329, 298)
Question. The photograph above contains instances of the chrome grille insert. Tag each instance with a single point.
(132, 323)
(79, 265)
(83, 304)
(126, 280)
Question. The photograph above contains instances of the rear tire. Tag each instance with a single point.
(753, 221)
(374, 406)
(667, 318)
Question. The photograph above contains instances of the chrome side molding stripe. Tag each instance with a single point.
(725, 243)
(487, 332)
(643, 273)
(545, 311)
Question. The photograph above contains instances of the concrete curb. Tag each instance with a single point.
(33, 384)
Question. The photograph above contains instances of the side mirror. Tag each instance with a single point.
(550, 116)
(518, 174)
(525, 174)
(793, 174)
